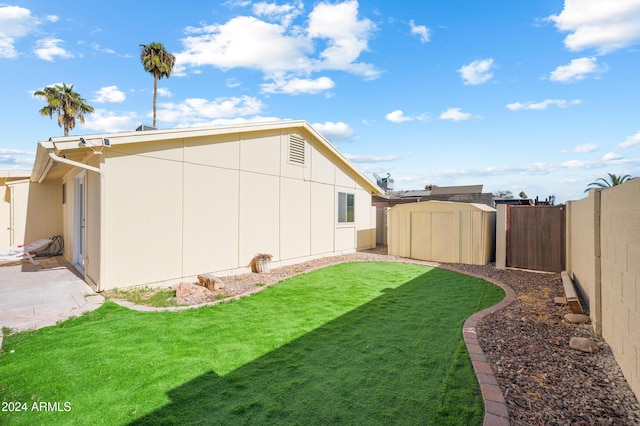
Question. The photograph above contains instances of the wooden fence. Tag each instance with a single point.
(536, 237)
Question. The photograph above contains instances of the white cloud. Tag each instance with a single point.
(244, 42)
(198, 110)
(52, 18)
(237, 3)
(632, 140)
(232, 82)
(611, 156)
(397, 116)
(164, 92)
(109, 122)
(603, 25)
(48, 48)
(455, 114)
(577, 164)
(237, 121)
(285, 13)
(477, 72)
(15, 22)
(109, 94)
(97, 47)
(560, 103)
(16, 159)
(359, 158)
(421, 31)
(577, 70)
(585, 148)
(282, 48)
(346, 37)
(334, 131)
(297, 86)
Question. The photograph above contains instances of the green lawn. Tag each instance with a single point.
(355, 343)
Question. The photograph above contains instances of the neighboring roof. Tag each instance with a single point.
(75, 151)
(436, 190)
(9, 176)
(443, 205)
(465, 189)
(14, 174)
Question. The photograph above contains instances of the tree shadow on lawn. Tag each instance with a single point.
(385, 362)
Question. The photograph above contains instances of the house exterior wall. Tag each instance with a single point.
(93, 207)
(182, 207)
(604, 232)
(6, 239)
(30, 211)
(8, 209)
(442, 232)
(143, 215)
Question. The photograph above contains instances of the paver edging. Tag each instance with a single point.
(496, 412)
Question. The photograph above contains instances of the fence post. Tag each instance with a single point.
(597, 314)
(501, 236)
(567, 237)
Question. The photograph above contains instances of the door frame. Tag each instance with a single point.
(80, 220)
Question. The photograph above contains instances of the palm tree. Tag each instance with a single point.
(604, 183)
(69, 105)
(157, 61)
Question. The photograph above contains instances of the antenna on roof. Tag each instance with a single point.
(384, 183)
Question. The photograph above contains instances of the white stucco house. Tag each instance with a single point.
(161, 206)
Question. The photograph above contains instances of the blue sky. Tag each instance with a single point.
(536, 96)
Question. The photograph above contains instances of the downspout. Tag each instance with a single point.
(11, 215)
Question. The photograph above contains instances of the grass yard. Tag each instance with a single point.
(354, 343)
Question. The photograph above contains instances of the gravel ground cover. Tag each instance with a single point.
(544, 381)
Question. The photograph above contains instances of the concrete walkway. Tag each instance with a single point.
(35, 296)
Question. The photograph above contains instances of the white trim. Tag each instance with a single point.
(346, 223)
(79, 234)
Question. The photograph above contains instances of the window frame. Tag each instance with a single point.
(346, 208)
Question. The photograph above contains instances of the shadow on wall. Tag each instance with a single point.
(36, 210)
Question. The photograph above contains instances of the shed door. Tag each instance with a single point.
(420, 236)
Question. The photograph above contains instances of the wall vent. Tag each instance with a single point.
(296, 149)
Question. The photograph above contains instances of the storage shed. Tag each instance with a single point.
(443, 231)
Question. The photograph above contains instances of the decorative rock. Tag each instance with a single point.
(188, 290)
(560, 300)
(210, 281)
(576, 318)
(583, 345)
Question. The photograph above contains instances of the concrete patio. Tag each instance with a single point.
(35, 296)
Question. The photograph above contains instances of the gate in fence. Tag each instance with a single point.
(536, 237)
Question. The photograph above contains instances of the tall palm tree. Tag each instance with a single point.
(69, 105)
(604, 183)
(157, 61)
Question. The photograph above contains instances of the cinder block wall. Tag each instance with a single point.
(603, 252)
(620, 246)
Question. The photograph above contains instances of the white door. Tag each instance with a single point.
(80, 219)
